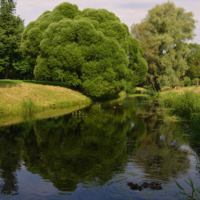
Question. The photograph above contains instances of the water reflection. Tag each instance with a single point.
(160, 154)
(92, 145)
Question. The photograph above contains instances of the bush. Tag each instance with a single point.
(195, 81)
(182, 84)
(187, 81)
(184, 105)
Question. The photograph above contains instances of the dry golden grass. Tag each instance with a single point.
(181, 90)
(140, 89)
(12, 96)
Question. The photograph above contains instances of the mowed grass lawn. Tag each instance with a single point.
(14, 94)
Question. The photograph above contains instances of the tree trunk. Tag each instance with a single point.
(157, 86)
(6, 73)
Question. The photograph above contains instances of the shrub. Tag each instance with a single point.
(195, 81)
(187, 81)
(184, 105)
(182, 84)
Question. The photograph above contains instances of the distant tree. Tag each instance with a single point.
(90, 49)
(193, 60)
(195, 81)
(11, 28)
(187, 81)
(162, 35)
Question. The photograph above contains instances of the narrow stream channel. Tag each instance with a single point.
(94, 152)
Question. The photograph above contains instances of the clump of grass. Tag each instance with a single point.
(1, 109)
(185, 105)
(194, 194)
(29, 107)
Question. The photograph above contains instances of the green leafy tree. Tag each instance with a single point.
(187, 81)
(11, 27)
(90, 49)
(195, 81)
(22, 69)
(162, 35)
(193, 61)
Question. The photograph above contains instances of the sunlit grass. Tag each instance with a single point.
(22, 97)
(181, 90)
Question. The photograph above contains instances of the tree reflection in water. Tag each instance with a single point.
(11, 144)
(160, 154)
(92, 146)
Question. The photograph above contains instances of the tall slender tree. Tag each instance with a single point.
(11, 27)
(163, 35)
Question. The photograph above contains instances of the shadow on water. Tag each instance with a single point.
(94, 147)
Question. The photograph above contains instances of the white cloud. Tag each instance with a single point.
(129, 11)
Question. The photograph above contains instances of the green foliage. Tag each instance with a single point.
(90, 49)
(162, 35)
(182, 84)
(184, 105)
(11, 27)
(193, 60)
(195, 81)
(187, 81)
(22, 68)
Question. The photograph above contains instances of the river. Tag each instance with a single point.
(92, 153)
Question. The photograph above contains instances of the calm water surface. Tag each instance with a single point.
(94, 152)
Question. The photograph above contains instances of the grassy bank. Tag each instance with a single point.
(28, 97)
(184, 101)
(185, 104)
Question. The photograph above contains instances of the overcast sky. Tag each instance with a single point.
(129, 11)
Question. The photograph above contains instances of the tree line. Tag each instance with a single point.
(96, 53)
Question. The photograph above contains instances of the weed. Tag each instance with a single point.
(194, 194)
(28, 108)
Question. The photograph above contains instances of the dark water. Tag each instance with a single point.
(94, 152)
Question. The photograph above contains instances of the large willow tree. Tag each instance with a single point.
(89, 49)
(162, 35)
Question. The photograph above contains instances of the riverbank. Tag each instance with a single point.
(19, 97)
(184, 105)
(28, 97)
(184, 102)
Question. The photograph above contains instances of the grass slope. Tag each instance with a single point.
(27, 96)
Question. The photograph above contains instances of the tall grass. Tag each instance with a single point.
(28, 107)
(193, 195)
(185, 105)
